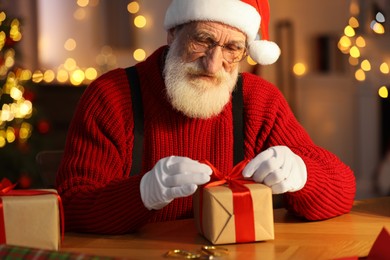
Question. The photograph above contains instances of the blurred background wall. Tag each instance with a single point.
(334, 71)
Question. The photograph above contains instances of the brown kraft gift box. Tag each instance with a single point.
(218, 219)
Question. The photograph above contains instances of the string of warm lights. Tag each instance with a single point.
(352, 43)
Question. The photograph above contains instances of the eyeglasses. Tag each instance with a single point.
(231, 52)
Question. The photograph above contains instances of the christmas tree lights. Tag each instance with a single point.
(15, 107)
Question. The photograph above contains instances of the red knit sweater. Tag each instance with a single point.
(98, 193)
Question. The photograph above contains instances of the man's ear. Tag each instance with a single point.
(171, 36)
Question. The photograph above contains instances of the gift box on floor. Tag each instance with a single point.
(30, 218)
(231, 210)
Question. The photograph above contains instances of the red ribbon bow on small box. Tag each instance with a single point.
(242, 200)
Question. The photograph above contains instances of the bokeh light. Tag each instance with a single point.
(80, 14)
(82, 3)
(91, 73)
(349, 31)
(354, 8)
(37, 76)
(380, 17)
(365, 65)
(383, 92)
(77, 77)
(140, 21)
(49, 76)
(360, 42)
(377, 27)
(139, 54)
(353, 22)
(299, 69)
(62, 76)
(384, 68)
(354, 52)
(133, 7)
(360, 75)
(70, 44)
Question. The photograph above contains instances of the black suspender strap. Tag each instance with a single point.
(138, 115)
(238, 123)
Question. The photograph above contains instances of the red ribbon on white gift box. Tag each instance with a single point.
(7, 189)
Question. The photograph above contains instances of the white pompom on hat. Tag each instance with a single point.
(246, 15)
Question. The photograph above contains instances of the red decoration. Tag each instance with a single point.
(29, 95)
(24, 181)
(43, 127)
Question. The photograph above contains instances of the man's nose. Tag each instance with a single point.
(214, 61)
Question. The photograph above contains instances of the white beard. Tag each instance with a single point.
(192, 95)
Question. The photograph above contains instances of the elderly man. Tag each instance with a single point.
(186, 98)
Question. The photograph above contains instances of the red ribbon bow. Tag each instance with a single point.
(7, 189)
(242, 200)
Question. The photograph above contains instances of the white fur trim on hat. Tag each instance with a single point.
(235, 13)
(231, 12)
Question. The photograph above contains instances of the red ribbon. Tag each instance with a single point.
(7, 189)
(242, 200)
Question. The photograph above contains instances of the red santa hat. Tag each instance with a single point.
(246, 15)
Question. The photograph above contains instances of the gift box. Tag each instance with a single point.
(30, 218)
(232, 210)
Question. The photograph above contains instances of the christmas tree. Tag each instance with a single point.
(20, 126)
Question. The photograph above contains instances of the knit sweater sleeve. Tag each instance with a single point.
(93, 180)
(330, 187)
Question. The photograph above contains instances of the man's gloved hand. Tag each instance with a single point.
(279, 168)
(172, 177)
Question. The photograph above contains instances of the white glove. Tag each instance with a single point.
(279, 168)
(172, 177)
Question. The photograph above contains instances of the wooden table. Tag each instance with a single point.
(352, 234)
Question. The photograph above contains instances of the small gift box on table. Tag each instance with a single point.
(30, 218)
(231, 209)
